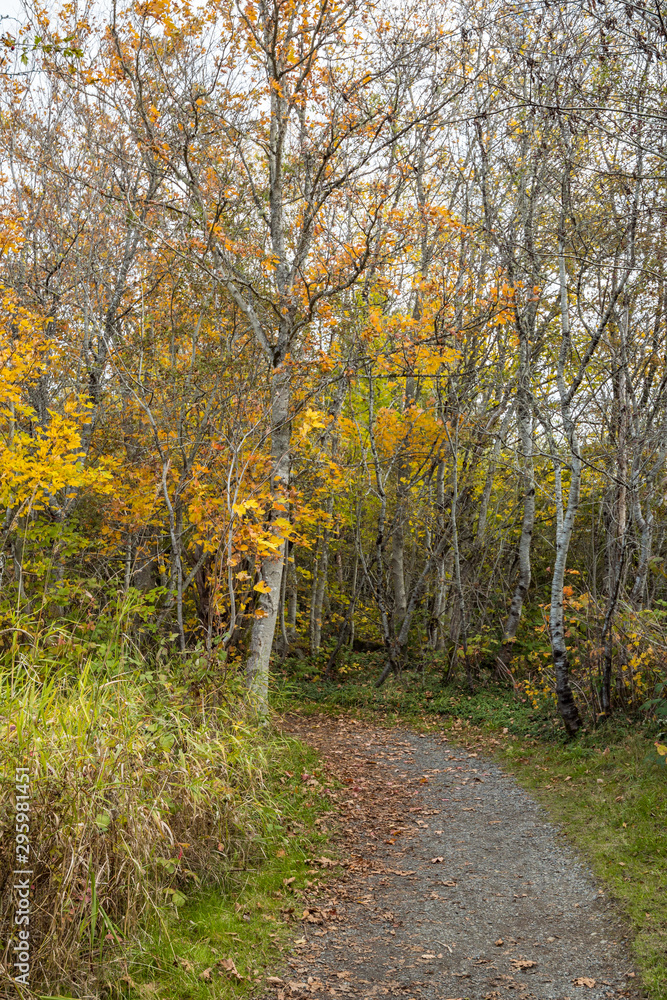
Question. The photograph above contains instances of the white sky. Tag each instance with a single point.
(10, 9)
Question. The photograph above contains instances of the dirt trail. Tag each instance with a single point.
(457, 885)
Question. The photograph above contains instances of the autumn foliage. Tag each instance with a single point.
(330, 323)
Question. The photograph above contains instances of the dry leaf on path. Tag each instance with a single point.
(522, 963)
(584, 981)
(436, 861)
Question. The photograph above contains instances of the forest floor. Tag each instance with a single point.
(455, 885)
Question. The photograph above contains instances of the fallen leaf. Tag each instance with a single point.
(584, 981)
(500, 942)
(522, 963)
(436, 861)
(274, 980)
(206, 975)
(183, 962)
(227, 965)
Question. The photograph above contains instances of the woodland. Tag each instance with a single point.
(333, 338)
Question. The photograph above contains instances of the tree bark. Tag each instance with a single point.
(264, 624)
(320, 574)
(645, 525)
(525, 429)
(292, 594)
(564, 524)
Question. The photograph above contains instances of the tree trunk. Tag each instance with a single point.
(566, 703)
(398, 536)
(398, 564)
(564, 524)
(292, 594)
(443, 578)
(645, 525)
(320, 581)
(457, 569)
(525, 428)
(264, 624)
(617, 530)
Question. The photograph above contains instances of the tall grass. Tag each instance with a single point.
(142, 792)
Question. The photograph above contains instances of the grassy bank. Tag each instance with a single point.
(167, 832)
(223, 941)
(607, 789)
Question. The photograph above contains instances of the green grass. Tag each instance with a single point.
(609, 798)
(607, 789)
(255, 914)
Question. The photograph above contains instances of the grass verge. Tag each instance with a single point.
(607, 790)
(221, 943)
(166, 832)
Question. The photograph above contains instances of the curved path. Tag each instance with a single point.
(457, 884)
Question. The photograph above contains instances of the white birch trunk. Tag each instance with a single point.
(264, 625)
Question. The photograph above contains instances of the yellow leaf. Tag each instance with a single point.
(262, 587)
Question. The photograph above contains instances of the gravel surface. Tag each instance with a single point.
(457, 885)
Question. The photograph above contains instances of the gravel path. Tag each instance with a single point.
(457, 884)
